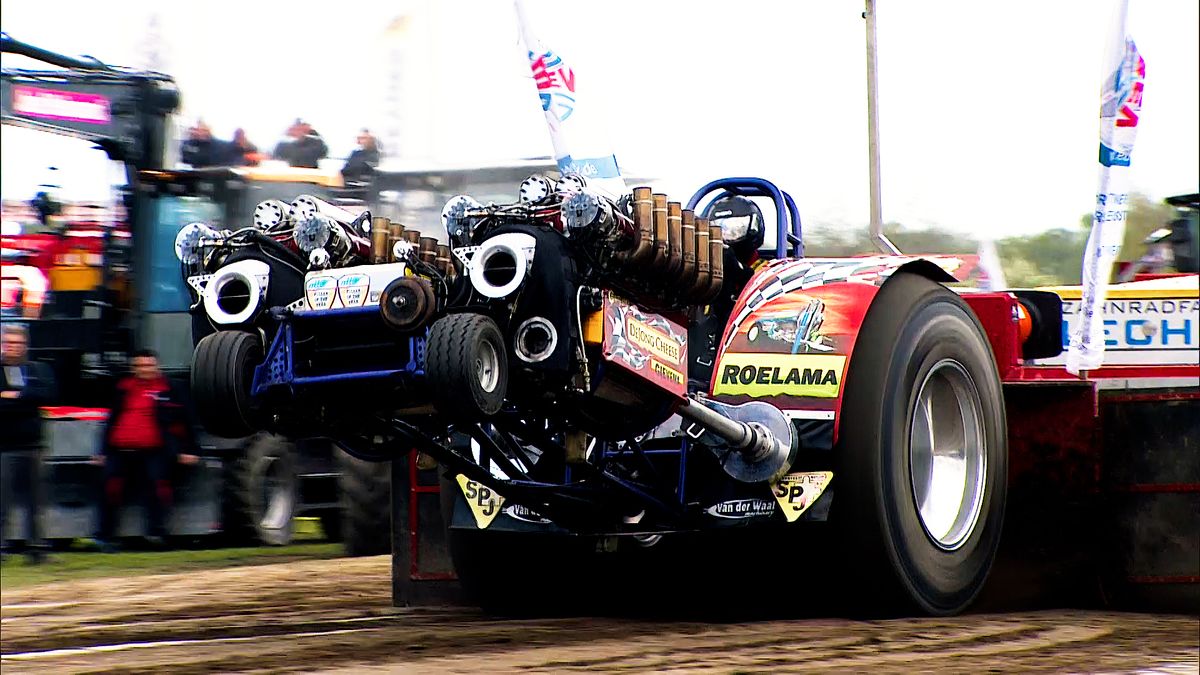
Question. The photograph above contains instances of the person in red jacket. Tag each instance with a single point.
(141, 445)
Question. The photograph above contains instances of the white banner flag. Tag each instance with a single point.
(992, 272)
(1120, 106)
(579, 145)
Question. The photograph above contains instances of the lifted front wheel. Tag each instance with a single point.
(467, 366)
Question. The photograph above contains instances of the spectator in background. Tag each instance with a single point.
(25, 386)
(304, 147)
(201, 149)
(361, 164)
(283, 150)
(141, 445)
(241, 151)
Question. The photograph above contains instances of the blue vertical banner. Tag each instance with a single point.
(1120, 108)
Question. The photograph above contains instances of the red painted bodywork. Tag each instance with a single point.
(1053, 417)
(844, 289)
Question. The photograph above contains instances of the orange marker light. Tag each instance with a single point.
(1024, 323)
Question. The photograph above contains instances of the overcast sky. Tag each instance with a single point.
(988, 109)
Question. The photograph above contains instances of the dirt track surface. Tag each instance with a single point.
(336, 615)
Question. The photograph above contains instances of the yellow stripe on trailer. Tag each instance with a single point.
(1182, 286)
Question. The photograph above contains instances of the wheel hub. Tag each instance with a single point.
(947, 454)
(277, 499)
(487, 367)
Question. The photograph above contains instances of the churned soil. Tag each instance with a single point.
(337, 615)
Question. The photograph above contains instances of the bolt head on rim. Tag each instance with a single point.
(487, 367)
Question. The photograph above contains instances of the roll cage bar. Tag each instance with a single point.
(789, 237)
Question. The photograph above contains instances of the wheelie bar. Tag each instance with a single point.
(567, 505)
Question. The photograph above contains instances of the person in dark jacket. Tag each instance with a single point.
(201, 149)
(305, 147)
(241, 151)
(25, 386)
(361, 164)
(141, 445)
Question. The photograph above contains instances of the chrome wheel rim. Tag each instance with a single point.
(947, 454)
(487, 367)
(277, 498)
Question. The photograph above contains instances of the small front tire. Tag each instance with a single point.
(467, 366)
(222, 373)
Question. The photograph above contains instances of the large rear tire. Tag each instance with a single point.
(518, 574)
(922, 453)
(261, 493)
(366, 495)
(467, 366)
(222, 372)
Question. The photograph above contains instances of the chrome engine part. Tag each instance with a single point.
(233, 294)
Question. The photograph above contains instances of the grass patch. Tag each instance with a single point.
(16, 572)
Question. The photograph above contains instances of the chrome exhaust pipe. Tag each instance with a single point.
(233, 294)
(687, 276)
(674, 234)
(662, 237)
(698, 291)
(716, 261)
(535, 340)
(501, 264)
(643, 219)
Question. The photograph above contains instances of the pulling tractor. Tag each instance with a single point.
(603, 379)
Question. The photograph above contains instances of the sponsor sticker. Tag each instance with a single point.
(655, 341)
(1139, 331)
(795, 492)
(523, 513)
(813, 375)
(667, 372)
(320, 292)
(485, 502)
(738, 509)
(646, 344)
(352, 289)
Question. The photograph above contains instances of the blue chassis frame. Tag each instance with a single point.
(279, 368)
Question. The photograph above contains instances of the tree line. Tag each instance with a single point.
(1043, 259)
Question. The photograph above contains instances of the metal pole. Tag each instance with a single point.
(877, 235)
